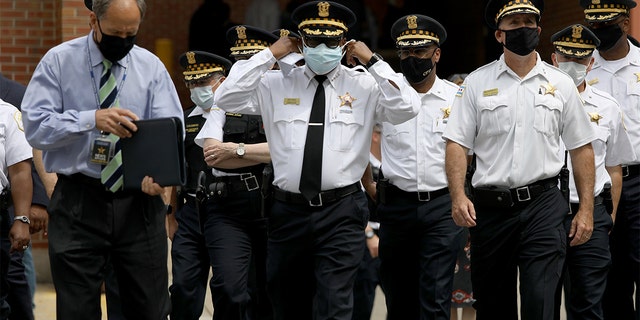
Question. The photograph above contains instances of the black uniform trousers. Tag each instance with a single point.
(364, 287)
(529, 239)
(618, 300)
(15, 295)
(419, 243)
(190, 264)
(5, 246)
(236, 238)
(586, 269)
(89, 225)
(313, 257)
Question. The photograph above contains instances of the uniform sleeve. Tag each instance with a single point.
(16, 146)
(238, 92)
(461, 127)
(576, 129)
(396, 105)
(213, 126)
(619, 147)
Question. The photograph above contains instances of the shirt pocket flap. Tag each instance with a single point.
(548, 101)
(290, 114)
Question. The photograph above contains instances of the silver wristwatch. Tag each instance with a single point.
(24, 219)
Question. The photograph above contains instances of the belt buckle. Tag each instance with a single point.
(250, 186)
(424, 199)
(319, 204)
(528, 194)
(625, 171)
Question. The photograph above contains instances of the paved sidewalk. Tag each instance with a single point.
(45, 301)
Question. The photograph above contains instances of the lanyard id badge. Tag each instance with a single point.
(102, 149)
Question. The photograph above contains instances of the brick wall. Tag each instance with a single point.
(28, 29)
(556, 16)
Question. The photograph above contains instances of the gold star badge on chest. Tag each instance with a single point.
(446, 112)
(595, 117)
(101, 150)
(637, 76)
(548, 88)
(347, 100)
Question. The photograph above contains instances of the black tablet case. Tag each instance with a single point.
(155, 150)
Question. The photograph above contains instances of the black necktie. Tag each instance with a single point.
(311, 175)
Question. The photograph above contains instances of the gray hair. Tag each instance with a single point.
(100, 7)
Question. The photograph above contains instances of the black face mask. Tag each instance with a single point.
(416, 69)
(521, 41)
(115, 48)
(608, 36)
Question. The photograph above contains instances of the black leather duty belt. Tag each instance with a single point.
(395, 193)
(496, 197)
(323, 198)
(243, 182)
(532, 191)
(631, 171)
(575, 206)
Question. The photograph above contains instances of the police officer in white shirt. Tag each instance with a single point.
(15, 187)
(316, 239)
(513, 113)
(202, 73)
(235, 148)
(616, 70)
(419, 240)
(587, 265)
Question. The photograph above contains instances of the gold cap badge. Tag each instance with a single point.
(412, 22)
(242, 32)
(577, 32)
(191, 57)
(323, 9)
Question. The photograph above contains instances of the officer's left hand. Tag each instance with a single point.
(19, 236)
(357, 51)
(219, 152)
(581, 227)
(151, 188)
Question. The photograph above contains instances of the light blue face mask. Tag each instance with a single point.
(202, 97)
(322, 59)
(576, 71)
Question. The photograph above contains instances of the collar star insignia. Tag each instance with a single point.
(446, 112)
(595, 117)
(347, 100)
(637, 76)
(549, 89)
(101, 150)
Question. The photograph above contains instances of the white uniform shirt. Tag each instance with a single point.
(514, 125)
(13, 144)
(612, 146)
(621, 79)
(413, 151)
(354, 101)
(213, 128)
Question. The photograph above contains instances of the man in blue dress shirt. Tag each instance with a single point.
(66, 112)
